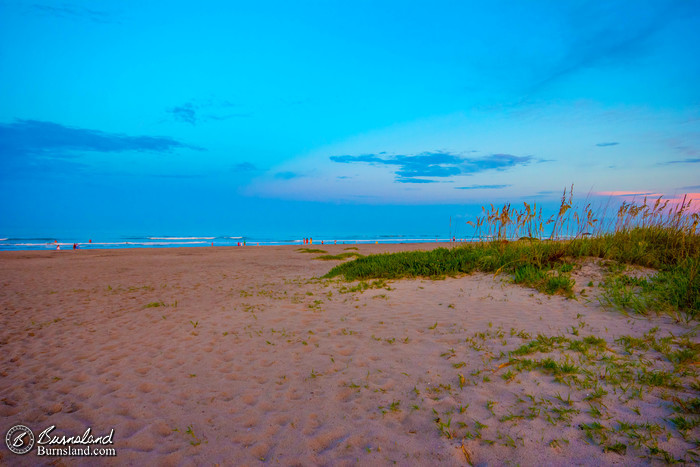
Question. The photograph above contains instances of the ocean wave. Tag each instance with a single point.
(145, 243)
(181, 238)
(52, 244)
(384, 240)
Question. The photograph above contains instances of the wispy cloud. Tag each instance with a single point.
(687, 150)
(690, 160)
(196, 111)
(185, 113)
(482, 187)
(244, 167)
(415, 180)
(604, 145)
(175, 176)
(286, 175)
(74, 12)
(600, 36)
(691, 187)
(435, 164)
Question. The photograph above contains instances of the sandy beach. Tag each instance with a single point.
(245, 356)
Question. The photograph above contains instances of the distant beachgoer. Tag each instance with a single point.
(75, 247)
(58, 247)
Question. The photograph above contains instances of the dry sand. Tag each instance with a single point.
(250, 358)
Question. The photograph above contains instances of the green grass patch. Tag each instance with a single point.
(311, 250)
(587, 343)
(541, 344)
(684, 424)
(688, 406)
(658, 378)
(363, 285)
(340, 256)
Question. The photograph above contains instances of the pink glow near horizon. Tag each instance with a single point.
(638, 196)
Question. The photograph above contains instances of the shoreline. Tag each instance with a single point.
(371, 248)
(45, 244)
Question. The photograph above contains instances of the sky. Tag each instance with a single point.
(376, 117)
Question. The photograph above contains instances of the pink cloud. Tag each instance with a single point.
(694, 197)
(629, 193)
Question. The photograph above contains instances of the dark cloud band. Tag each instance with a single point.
(42, 148)
(36, 138)
(436, 164)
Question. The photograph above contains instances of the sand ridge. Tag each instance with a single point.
(244, 356)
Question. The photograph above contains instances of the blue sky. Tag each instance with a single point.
(357, 117)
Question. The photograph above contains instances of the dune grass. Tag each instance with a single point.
(662, 236)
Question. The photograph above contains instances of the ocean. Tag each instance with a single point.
(174, 241)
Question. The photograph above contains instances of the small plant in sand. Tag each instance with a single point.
(195, 441)
(363, 285)
(393, 407)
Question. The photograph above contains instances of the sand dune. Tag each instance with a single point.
(244, 356)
